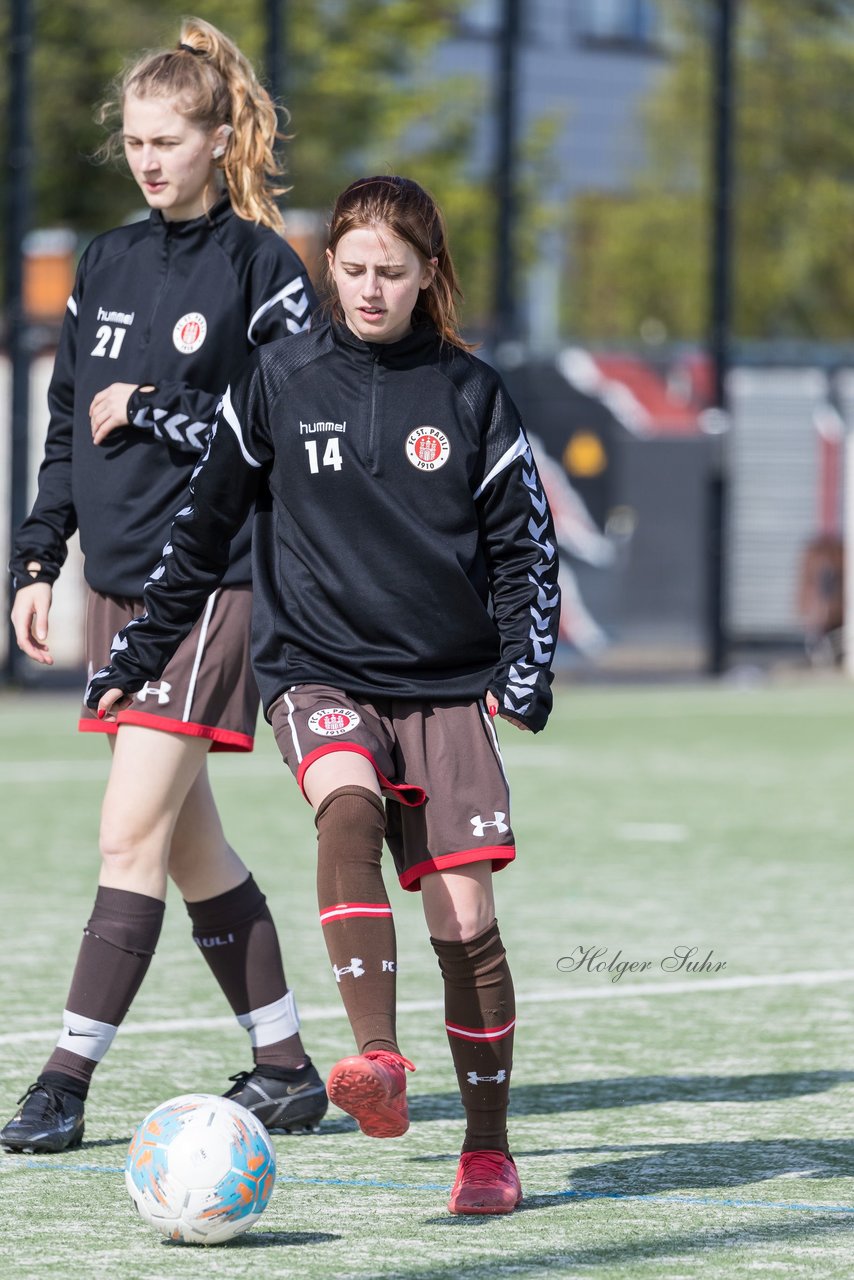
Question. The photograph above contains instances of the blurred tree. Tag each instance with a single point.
(642, 257)
(356, 100)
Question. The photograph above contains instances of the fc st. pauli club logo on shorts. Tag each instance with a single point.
(428, 448)
(190, 332)
(331, 722)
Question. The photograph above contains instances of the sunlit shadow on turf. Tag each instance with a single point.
(258, 1240)
(639, 1091)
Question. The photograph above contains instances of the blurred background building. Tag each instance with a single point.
(572, 144)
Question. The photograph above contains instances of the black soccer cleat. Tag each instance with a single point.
(49, 1120)
(282, 1105)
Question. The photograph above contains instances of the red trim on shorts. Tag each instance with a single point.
(221, 739)
(500, 854)
(407, 794)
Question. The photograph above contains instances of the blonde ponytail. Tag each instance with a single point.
(250, 164)
(214, 84)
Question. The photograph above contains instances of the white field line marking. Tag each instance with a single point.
(16, 772)
(43, 771)
(659, 832)
(636, 991)
(718, 704)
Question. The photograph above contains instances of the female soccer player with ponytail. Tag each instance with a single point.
(406, 592)
(162, 318)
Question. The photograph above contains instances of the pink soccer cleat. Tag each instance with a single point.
(487, 1182)
(371, 1087)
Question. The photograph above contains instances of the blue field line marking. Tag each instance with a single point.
(788, 1206)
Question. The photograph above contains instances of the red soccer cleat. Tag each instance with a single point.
(487, 1182)
(371, 1087)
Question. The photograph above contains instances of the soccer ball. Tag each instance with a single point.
(200, 1168)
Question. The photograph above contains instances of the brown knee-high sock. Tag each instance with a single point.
(237, 937)
(118, 943)
(480, 1014)
(355, 913)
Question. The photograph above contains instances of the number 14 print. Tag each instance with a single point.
(331, 455)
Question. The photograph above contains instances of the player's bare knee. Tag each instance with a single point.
(194, 864)
(124, 848)
(459, 923)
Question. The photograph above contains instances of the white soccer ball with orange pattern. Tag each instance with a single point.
(200, 1169)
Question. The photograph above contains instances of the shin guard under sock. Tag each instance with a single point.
(236, 935)
(358, 927)
(117, 947)
(480, 1014)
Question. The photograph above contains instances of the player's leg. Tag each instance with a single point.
(450, 848)
(150, 776)
(234, 930)
(342, 780)
(358, 929)
(480, 1015)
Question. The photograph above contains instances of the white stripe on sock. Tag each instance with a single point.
(84, 1036)
(272, 1022)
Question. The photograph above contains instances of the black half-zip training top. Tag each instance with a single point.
(406, 548)
(173, 305)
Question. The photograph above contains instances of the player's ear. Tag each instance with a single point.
(428, 275)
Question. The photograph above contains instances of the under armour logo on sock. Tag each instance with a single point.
(480, 826)
(355, 967)
(159, 691)
(474, 1078)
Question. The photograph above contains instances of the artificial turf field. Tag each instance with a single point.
(667, 1124)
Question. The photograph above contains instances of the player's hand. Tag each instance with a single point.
(493, 707)
(29, 619)
(109, 410)
(112, 702)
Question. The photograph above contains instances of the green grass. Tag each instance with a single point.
(673, 1125)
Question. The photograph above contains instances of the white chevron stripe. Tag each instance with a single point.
(518, 450)
(285, 296)
(233, 421)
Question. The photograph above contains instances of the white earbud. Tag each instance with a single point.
(219, 150)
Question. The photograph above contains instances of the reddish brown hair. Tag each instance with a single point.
(412, 215)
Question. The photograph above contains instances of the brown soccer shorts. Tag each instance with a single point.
(208, 689)
(438, 765)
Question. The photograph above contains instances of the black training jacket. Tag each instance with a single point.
(405, 547)
(176, 305)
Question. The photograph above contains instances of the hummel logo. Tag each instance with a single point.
(313, 428)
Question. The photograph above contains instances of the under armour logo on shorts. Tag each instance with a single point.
(159, 691)
(480, 826)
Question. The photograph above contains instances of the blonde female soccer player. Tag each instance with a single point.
(162, 317)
